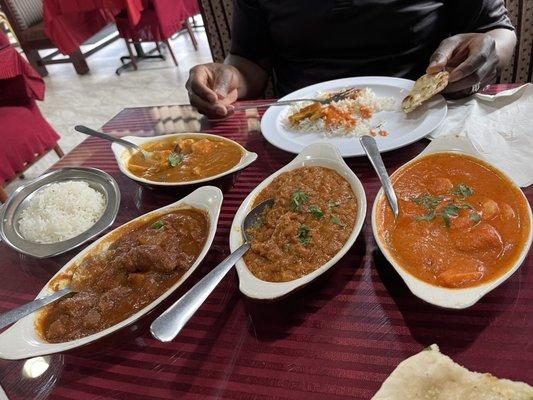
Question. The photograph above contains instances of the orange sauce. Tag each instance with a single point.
(461, 223)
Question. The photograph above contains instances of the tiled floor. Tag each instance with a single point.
(94, 98)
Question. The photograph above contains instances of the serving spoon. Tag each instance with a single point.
(167, 326)
(14, 315)
(371, 149)
(91, 132)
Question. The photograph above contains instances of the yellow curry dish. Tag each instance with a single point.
(313, 216)
(179, 159)
(461, 224)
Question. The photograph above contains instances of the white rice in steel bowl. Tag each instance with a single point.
(61, 211)
(363, 123)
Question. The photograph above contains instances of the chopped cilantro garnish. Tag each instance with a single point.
(462, 190)
(475, 217)
(158, 224)
(316, 211)
(175, 159)
(332, 205)
(451, 210)
(428, 217)
(298, 199)
(303, 234)
(428, 202)
(336, 220)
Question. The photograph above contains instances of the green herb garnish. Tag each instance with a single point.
(298, 199)
(428, 217)
(332, 205)
(303, 234)
(451, 210)
(316, 211)
(462, 190)
(336, 220)
(475, 217)
(158, 224)
(428, 202)
(175, 159)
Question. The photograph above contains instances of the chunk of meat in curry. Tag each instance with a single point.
(461, 222)
(312, 217)
(138, 267)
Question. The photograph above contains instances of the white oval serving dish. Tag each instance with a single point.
(436, 295)
(320, 154)
(122, 155)
(22, 341)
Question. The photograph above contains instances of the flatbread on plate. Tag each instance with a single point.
(430, 375)
(425, 88)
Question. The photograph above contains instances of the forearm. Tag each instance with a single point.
(505, 41)
(252, 78)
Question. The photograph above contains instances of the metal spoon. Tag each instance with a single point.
(13, 316)
(167, 326)
(105, 136)
(372, 151)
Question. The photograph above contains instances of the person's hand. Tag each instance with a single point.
(213, 88)
(471, 60)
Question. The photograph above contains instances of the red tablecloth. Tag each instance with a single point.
(69, 23)
(24, 133)
(338, 338)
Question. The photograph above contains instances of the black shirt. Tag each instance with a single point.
(309, 41)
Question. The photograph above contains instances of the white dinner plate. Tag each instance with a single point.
(403, 128)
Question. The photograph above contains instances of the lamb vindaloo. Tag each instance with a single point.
(139, 266)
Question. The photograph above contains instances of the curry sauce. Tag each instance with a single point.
(140, 265)
(312, 217)
(185, 159)
(461, 222)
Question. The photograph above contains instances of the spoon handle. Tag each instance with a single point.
(20, 312)
(105, 136)
(371, 149)
(167, 326)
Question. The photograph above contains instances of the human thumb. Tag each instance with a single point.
(440, 57)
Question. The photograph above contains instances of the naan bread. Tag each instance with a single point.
(430, 375)
(425, 88)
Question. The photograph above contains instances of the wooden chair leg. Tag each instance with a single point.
(171, 52)
(79, 62)
(191, 34)
(132, 54)
(3, 195)
(59, 151)
(36, 61)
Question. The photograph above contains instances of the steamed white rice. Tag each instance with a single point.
(363, 126)
(61, 211)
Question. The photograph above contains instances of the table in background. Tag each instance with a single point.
(338, 338)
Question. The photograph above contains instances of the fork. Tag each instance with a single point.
(341, 95)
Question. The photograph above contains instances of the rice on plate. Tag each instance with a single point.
(61, 211)
(352, 116)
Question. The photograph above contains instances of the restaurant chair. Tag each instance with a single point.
(27, 20)
(25, 135)
(217, 16)
(158, 22)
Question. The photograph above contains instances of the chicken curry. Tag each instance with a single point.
(461, 222)
(136, 268)
(184, 160)
(312, 217)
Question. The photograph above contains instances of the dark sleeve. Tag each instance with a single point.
(250, 36)
(478, 16)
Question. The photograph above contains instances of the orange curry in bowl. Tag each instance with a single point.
(185, 159)
(313, 215)
(461, 223)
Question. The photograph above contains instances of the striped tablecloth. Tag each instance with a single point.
(338, 338)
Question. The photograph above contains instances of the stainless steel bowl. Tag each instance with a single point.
(18, 201)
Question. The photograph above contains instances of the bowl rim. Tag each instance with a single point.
(21, 340)
(317, 154)
(452, 298)
(121, 156)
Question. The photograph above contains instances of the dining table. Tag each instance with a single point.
(337, 338)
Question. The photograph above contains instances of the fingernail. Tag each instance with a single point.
(231, 108)
(212, 97)
(220, 111)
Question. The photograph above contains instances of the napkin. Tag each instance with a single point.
(500, 127)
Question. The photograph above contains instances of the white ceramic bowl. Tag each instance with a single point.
(22, 341)
(320, 154)
(439, 296)
(122, 155)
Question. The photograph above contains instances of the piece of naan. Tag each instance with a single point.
(425, 88)
(430, 375)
